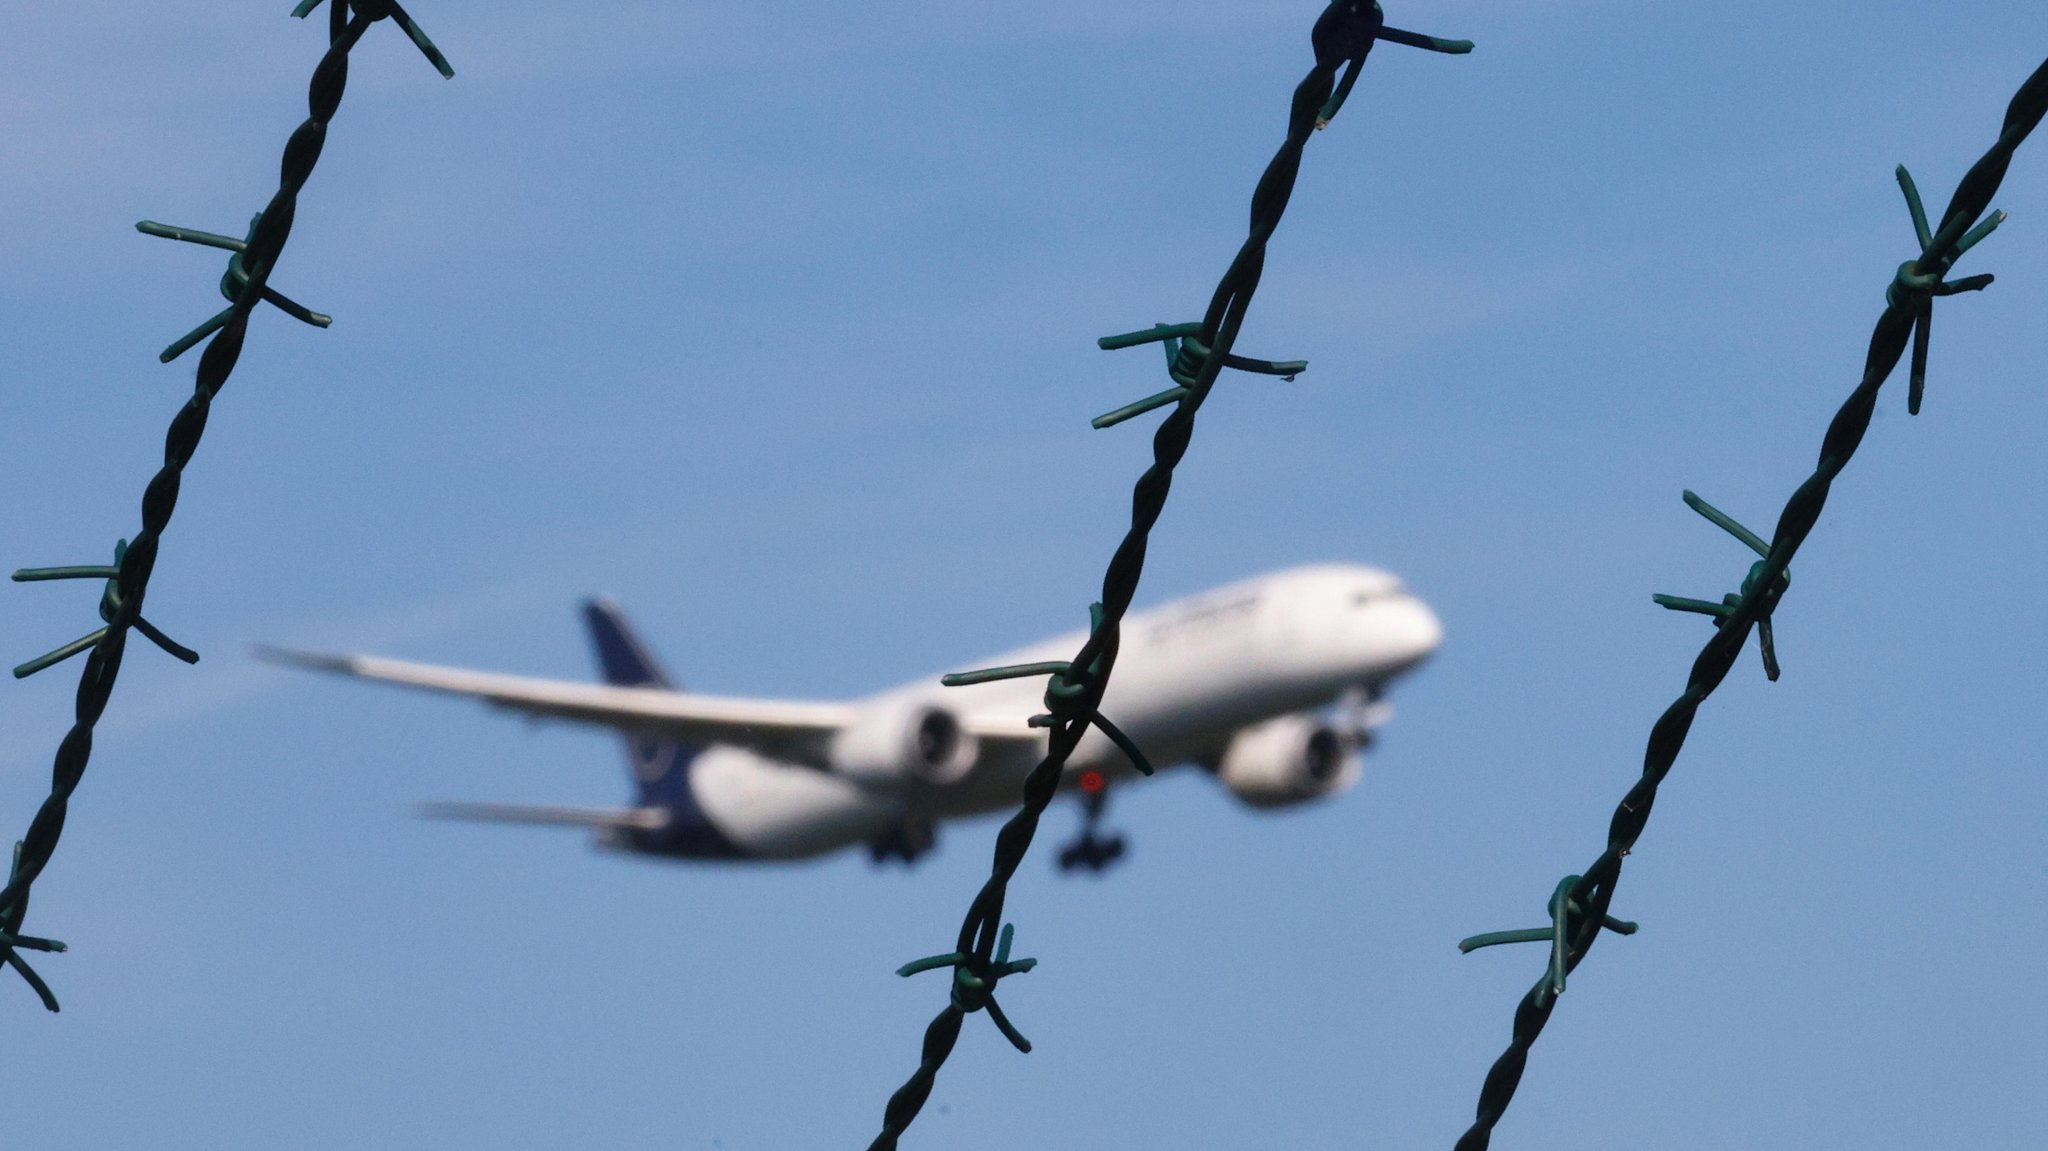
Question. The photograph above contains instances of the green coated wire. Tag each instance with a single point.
(1580, 903)
(1196, 353)
(127, 579)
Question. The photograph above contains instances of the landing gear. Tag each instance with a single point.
(906, 841)
(1088, 849)
(1359, 710)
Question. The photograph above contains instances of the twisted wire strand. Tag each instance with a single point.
(129, 580)
(1581, 912)
(1343, 34)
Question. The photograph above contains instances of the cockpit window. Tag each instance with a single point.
(1366, 595)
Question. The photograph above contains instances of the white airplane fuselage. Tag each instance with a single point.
(1227, 679)
(1189, 676)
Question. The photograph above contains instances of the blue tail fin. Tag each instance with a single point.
(661, 767)
(621, 657)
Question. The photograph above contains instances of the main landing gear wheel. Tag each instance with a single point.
(1090, 850)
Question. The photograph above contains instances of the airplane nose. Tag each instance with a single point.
(1406, 631)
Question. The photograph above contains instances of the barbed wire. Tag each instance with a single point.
(246, 282)
(1196, 354)
(1579, 905)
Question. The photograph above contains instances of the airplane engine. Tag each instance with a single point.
(1288, 760)
(893, 742)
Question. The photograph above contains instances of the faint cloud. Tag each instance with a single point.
(234, 677)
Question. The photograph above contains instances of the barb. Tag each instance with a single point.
(11, 941)
(1566, 915)
(1066, 696)
(974, 982)
(246, 283)
(1721, 611)
(232, 284)
(1908, 304)
(110, 609)
(1342, 37)
(1185, 355)
(378, 10)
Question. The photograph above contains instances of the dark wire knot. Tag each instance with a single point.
(110, 610)
(1071, 696)
(1347, 31)
(1767, 596)
(12, 941)
(379, 10)
(1918, 281)
(1567, 918)
(233, 283)
(975, 978)
(1186, 356)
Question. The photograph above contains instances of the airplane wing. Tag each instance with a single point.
(792, 730)
(625, 818)
(784, 729)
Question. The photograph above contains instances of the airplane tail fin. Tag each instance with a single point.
(661, 767)
(621, 657)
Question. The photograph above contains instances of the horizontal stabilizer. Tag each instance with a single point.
(618, 818)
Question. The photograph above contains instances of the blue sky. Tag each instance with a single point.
(776, 322)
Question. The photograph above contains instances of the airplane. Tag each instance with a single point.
(1231, 680)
